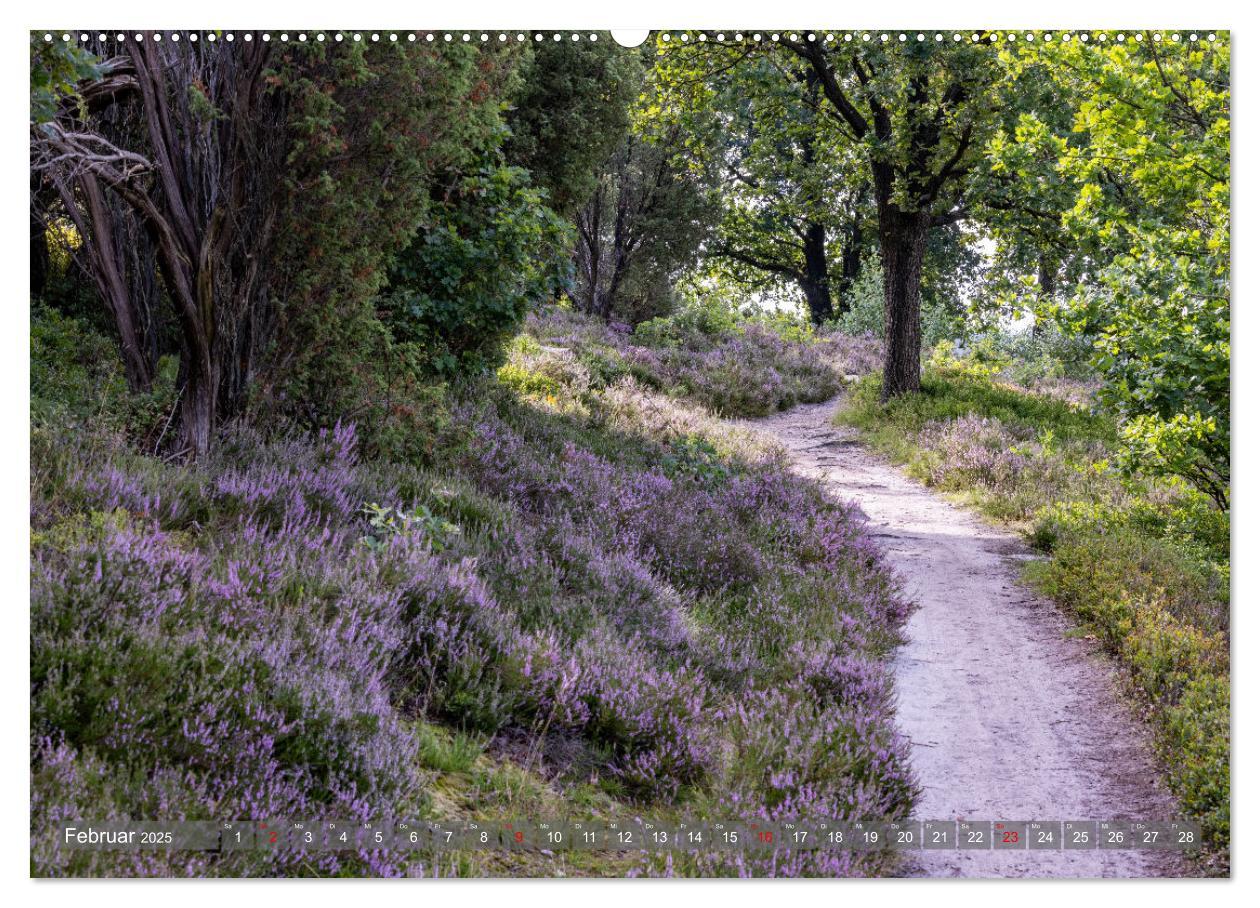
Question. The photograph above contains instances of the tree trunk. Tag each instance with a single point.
(107, 246)
(850, 263)
(903, 242)
(197, 410)
(814, 281)
(1047, 276)
(1047, 283)
(590, 248)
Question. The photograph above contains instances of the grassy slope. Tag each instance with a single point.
(592, 600)
(1144, 565)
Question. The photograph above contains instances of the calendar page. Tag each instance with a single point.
(784, 450)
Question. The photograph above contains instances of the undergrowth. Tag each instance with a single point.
(590, 599)
(1143, 563)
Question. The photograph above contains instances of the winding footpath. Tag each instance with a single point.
(1008, 717)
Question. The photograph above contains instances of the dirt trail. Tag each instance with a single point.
(1008, 718)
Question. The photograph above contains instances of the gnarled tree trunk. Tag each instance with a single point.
(183, 145)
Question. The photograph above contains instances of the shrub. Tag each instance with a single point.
(490, 250)
(1166, 618)
(76, 377)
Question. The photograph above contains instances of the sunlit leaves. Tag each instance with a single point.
(1144, 168)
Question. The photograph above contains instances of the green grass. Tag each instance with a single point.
(466, 783)
(448, 751)
(893, 428)
(1142, 563)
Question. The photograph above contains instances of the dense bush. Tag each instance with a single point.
(487, 252)
(1165, 611)
(76, 377)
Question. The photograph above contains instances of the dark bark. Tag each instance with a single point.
(154, 183)
(1047, 275)
(39, 256)
(39, 239)
(814, 280)
(590, 247)
(903, 243)
(109, 255)
(109, 252)
(850, 262)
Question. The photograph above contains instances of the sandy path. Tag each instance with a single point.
(1008, 718)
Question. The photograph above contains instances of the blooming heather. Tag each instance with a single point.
(598, 566)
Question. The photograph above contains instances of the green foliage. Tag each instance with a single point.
(526, 381)
(57, 68)
(385, 521)
(356, 114)
(1187, 445)
(690, 326)
(77, 379)
(1197, 736)
(1044, 351)
(706, 316)
(787, 170)
(75, 372)
(409, 414)
(695, 457)
(1141, 170)
(487, 252)
(571, 111)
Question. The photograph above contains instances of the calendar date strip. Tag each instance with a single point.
(629, 835)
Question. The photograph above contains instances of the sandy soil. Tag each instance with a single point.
(1008, 717)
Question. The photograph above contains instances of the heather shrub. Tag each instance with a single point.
(592, 587)
(733, 363)
(753, 374)
(824, 760)
(136, 640)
